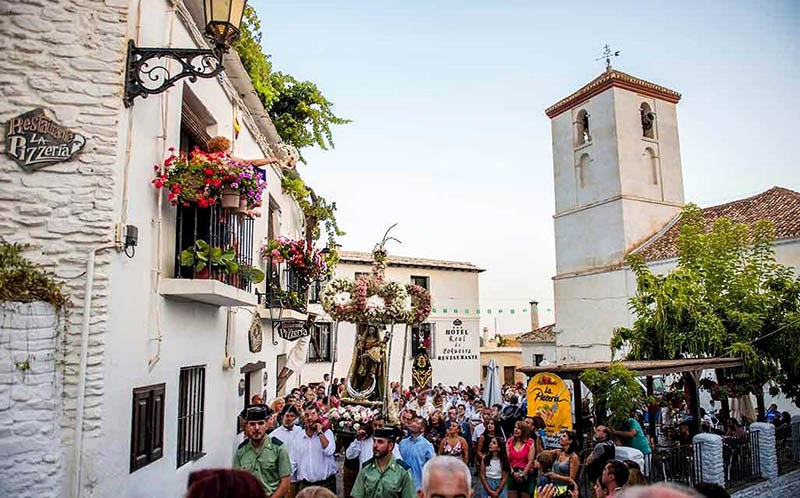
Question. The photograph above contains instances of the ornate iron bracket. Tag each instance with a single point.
(147, 73)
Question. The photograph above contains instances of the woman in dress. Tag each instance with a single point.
(453, 444)
(521, 455)
(436, 429)
(495, 469)
(565, 467)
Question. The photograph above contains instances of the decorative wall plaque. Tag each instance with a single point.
(421, 371)
(255, 334)
(33, 140)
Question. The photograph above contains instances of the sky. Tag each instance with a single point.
(449, 138)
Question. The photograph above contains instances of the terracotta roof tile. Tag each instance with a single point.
(612, 78)
(779, 205)
(542, 334)
(366, 258)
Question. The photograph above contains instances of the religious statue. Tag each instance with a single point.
(367, 374)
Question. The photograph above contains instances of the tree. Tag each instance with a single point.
(616, 390)
(727, 296)
(301, 113)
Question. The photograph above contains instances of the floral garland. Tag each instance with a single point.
(371, 299)
(351, 418)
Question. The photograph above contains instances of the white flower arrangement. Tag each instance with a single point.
(342, 298)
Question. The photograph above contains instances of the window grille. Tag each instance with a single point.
(322, 331)
(191, 402)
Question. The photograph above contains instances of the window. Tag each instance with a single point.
(147, 432)
(651, 163)
(423, 282)
(508, 375)
(191, 402)
(320, 347)
(648, 120)
(314, 290)
(583, 167)
(582, 135)
(360, 274)
(538, 359)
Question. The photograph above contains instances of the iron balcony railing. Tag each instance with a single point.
(678, 464)
(741, 461)
(283, 289)
(787, 447)
(222, 237)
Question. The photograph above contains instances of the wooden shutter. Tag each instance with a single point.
(194, 126)
(157, 423)
(147, 425)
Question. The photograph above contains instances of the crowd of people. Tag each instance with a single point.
(291, 449)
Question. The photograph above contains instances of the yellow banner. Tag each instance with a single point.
(549, 398)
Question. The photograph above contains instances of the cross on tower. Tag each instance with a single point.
(607, 55)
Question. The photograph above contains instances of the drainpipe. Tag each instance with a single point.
(84, 353)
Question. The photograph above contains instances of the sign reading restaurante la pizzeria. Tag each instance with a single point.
(549, 398)
(33, 140)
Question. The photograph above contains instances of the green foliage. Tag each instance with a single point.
(252, 274)
(501, 341)
(318, 212)
(727, 297)
(301, 114)
(201, 254)
(616, 390)
(22, 281)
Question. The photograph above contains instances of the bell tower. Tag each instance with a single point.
(617, 167)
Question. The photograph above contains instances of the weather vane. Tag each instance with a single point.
(607, 55)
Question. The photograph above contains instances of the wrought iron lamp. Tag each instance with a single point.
(147, 72)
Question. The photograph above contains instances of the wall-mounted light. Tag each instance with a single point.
(146, 69)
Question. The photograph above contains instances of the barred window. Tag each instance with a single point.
(321, 337)
(191, 402)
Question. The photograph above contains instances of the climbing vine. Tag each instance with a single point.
(301, 113)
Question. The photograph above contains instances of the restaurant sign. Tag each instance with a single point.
(33, 140)
(549, 398)
(293, 330)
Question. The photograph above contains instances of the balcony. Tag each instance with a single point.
(214, 258)
(284, 300)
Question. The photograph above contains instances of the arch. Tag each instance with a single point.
(651, 163)
(648, 120)
(583, 166)
(582, 134)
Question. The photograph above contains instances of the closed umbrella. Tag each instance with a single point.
(491, 385)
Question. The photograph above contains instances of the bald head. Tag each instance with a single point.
(659, 491)
(446, 477)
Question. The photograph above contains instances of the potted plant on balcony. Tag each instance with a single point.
(202, 257)
(251, 274)
(197, 177)
(250, 186)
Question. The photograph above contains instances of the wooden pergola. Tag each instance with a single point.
(690, 368)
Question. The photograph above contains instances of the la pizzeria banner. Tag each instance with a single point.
(549, 398)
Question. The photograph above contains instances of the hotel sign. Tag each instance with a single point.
(33, 141)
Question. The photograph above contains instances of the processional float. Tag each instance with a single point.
(375, 305)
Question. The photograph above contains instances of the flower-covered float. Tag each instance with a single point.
(375, 305)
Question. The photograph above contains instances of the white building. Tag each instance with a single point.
(168, 363)
(619, 189)
(451, 334)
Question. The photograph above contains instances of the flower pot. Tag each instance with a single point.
(242, 206)
(230, 198)
(202, 274)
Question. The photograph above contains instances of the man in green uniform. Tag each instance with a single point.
(262, 456)
(383, 476)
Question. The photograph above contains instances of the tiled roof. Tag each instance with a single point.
(542, 334)
(609, 78)
(366, 258)
(779, 205)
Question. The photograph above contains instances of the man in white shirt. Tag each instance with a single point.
(326, 384)
(287, 433)
(361, 447)
(422, 406)
(314, 449)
